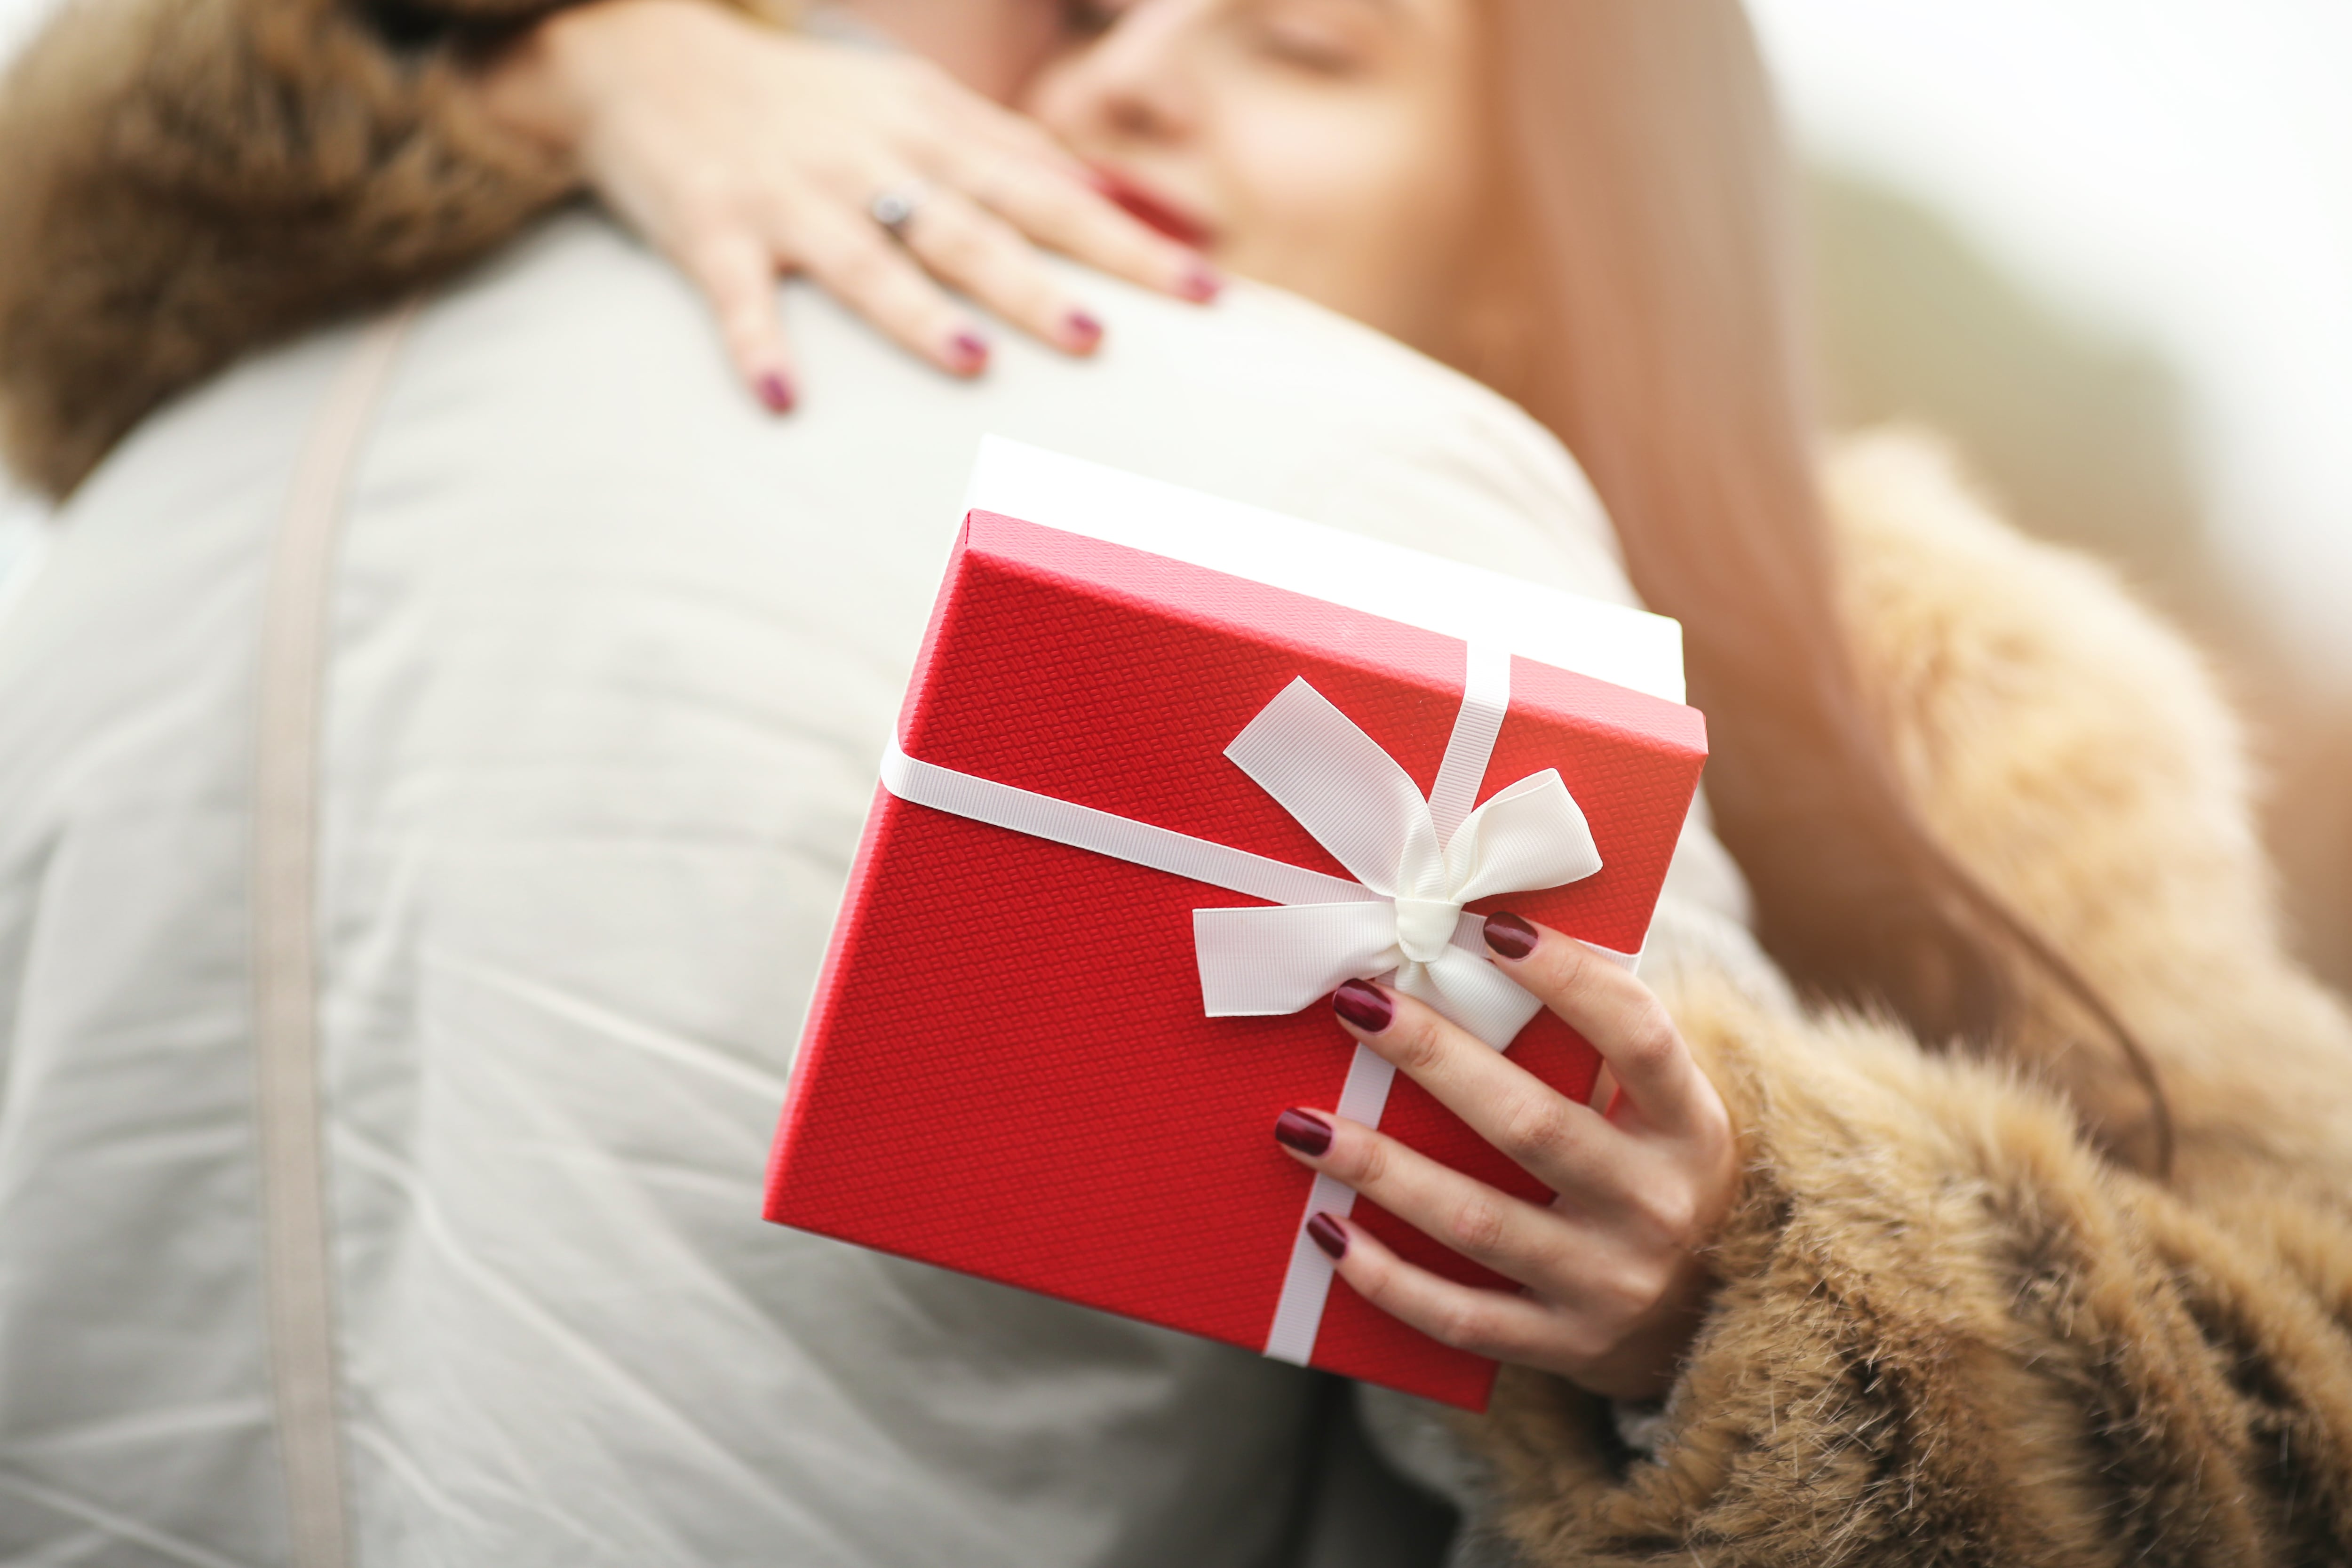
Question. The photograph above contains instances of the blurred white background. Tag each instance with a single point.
(2173, 172)
(17, 20)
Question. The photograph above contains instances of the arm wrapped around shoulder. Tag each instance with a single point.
(181, 180)
(1948, 1331)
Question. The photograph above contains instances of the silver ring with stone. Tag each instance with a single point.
(894, 206)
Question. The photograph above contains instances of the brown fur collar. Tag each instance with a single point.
(183, 180)
(1949, 1332)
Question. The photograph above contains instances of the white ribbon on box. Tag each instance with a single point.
(1416, 863)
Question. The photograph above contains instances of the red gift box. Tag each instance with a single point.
(1007, 1067)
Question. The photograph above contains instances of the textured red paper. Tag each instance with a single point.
(1006, 1069)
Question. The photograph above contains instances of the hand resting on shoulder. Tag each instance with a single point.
(741, 152)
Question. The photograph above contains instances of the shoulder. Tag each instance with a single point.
(1354, 429)
(578, 369)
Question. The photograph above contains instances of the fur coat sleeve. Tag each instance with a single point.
(1949, 1332)
(183, 180)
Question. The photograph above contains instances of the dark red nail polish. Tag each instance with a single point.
(1363, 1005)
(1081, 329)
(1510, 936)
(969, 349)
(1327, 1234)
(777, 393)
(1303, 1130)
(1199, 283)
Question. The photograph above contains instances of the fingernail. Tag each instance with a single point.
(1303, 1130)
(1363, 1005)
(1510, 936)
(1199, 283)
(1327, 1234)
(968, 351)
(777, 393)
(1082, 330)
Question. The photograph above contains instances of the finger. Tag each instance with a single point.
(736, 271)
(1569, 1148)
(1514, 1238)
(988, 261)
(1483, 1323)
(975, 122)
(962, 124)
(855, 260)
(1602, 1001)
(1062, 212)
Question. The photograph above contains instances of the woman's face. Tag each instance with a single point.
(1330, 147)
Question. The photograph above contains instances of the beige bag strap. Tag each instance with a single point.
(294, 634)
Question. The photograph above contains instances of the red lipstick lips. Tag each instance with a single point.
(1153, 210)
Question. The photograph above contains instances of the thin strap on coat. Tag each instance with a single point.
(299, 1261)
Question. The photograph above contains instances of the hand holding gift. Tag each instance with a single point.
(1171, 771)
(1614, 1278)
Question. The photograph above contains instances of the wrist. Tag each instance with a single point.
(1644, 1366)
(529, 87)
(579, 63)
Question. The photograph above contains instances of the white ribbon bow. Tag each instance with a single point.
(1416, 862)
(1362, 806)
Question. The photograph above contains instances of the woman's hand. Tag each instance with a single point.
(1614, 1277)
(742, 151)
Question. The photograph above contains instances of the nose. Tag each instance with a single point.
(1130, 84)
